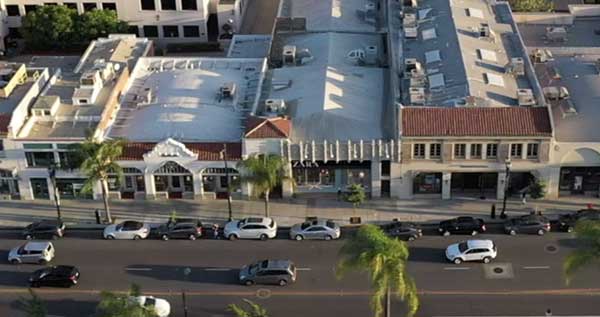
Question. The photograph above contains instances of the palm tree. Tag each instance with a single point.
(252, 310)
(98, 163)
(588, 231)
(34, 306)
(385, 260)
(120, 305)
(264, 172)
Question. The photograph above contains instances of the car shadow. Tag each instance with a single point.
(427, 254)
(210, 275)
(14, 278)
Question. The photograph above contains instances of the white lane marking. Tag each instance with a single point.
(536, 267)
(458, 268)
(303, 269)
(138, 269)
(218, 269)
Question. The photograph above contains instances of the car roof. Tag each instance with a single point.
(47, 222)
(480, 244)
(534, 218)
(319, 222)
(260, 220)
(36, 246)
(278, 264)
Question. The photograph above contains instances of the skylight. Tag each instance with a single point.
(429, 34)
(476, 13)
(436, 80)
(494, 79)
(432, 57)
(488, 55)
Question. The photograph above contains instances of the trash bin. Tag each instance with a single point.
(97, 212)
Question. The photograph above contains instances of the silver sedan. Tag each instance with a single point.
(315, 229)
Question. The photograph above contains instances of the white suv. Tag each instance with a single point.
(251, 228)
(32, 252)
(472, 250)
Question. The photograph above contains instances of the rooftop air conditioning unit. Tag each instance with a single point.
(289, 55)
(409, 20)
(409, 3)
(556, 34)
(275, 106)
(227, 90)
(542, 55)
(525, 97)
(371, 55)
(416, 95)
(516, 66)
(556, 93)
(304, 56)
(412, 66)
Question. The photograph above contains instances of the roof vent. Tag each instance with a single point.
(484, 31)
(516, 66)
(412, 67)
(525, 97)
(275, 106)
(410, 3)
(289, 55)
(227, 90)
(541, 56)
(556, 93)
(417, 95)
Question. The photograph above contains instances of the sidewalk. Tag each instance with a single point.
(285, 212)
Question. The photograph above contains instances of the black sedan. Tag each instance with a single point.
(402, 230)
(462, 225)
(57, 276)
(567, 222)
(532, 224)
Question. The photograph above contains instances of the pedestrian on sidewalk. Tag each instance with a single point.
(524, 197)
(215, 228)
(339, 194)
(493, 214)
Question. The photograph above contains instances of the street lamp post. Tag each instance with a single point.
(508, 165)
(224, 157)
(52, 175)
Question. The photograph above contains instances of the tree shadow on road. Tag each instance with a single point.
(14, 278)
(427, 254)
(210, 275)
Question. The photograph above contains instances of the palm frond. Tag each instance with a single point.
(577, 260)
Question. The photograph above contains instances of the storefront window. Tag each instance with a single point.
(208, 183)
(579, 179)
(139, 182)
(428, 183)
(160, 183)
(188, 183)
(4, 186)
(314, 176)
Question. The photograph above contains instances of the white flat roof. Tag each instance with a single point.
(330, 15)
(184, 100)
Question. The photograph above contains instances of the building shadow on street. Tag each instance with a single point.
(195, 274)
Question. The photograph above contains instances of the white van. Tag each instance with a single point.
(32, 252)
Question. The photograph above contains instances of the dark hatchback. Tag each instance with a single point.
(56, 276)
(407, 231)
(191, 230)
(532, 224)
(567, 222)
(462, 225)
(48, 229)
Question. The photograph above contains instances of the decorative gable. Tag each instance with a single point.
(170, 148)
(265, 128)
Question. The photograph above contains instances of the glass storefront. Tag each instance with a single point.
(579, 180)
(71, 188)
(331, 176)
(427, 183)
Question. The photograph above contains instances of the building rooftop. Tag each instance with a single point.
(464, 48)
(579, 34)
(249, 46)
(134, 151)
(331, 15)
(188, 99)
(85, 88)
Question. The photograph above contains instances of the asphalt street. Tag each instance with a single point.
(524, 280)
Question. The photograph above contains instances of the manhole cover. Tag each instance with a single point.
(551, 248)
(498, 271)
(263, 293)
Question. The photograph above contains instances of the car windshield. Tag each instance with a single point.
(272, 223)
(150, 302)
(118, 227)
(241, 223)
(252, 269)
(462, 247)
(305, 225)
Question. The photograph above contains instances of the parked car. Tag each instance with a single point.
(127, 230)
(278, 272)
(567, 222)
(403, 230)
(180, 230)
(60, 275)
(177, 220)
(315, 229)
(472, 250)
(533, 224)
(49, 229)
(462, 225)
(251, 228)
(32, 252)
(161, 307)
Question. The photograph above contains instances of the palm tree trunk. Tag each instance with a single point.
(267, 204)
(105, 198)
(387, 306)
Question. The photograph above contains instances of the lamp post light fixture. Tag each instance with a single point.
(223, 154)
(52, 174)
(508, 165)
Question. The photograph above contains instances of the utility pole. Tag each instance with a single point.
(508, 165)
(52, 175)
(224, 157)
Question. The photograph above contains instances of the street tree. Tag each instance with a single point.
(356, 195)
(385, 260)
(120, 305)
(537, 189)
(588, 252)
(99, 164)
(32, 306)
(99, 23)
(531, 5)
(264, 172)
(49, 27)
(250, 309)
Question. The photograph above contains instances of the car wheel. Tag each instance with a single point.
(457, 261)
(14, 261)
(298, 237)
(487, 260)
(28, 237)
(446, 233)
(282, 282)
(569, 229)
(192, 237)
(42, 261)
(136, 237)
(248, 282)
(512, 232)
(411, 238)
(541, 232)
(164, 237)
(474, 232)
(110, 237)
(328, 237)
(232, 237)
(263, 237)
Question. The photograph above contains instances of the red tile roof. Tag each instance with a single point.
(4, 121)
(134, 151)
(509, 121)
(259, 128)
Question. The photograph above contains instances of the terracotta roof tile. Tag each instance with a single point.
(509, 121)
(134, 151)
(276, 127)
(4, 121)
